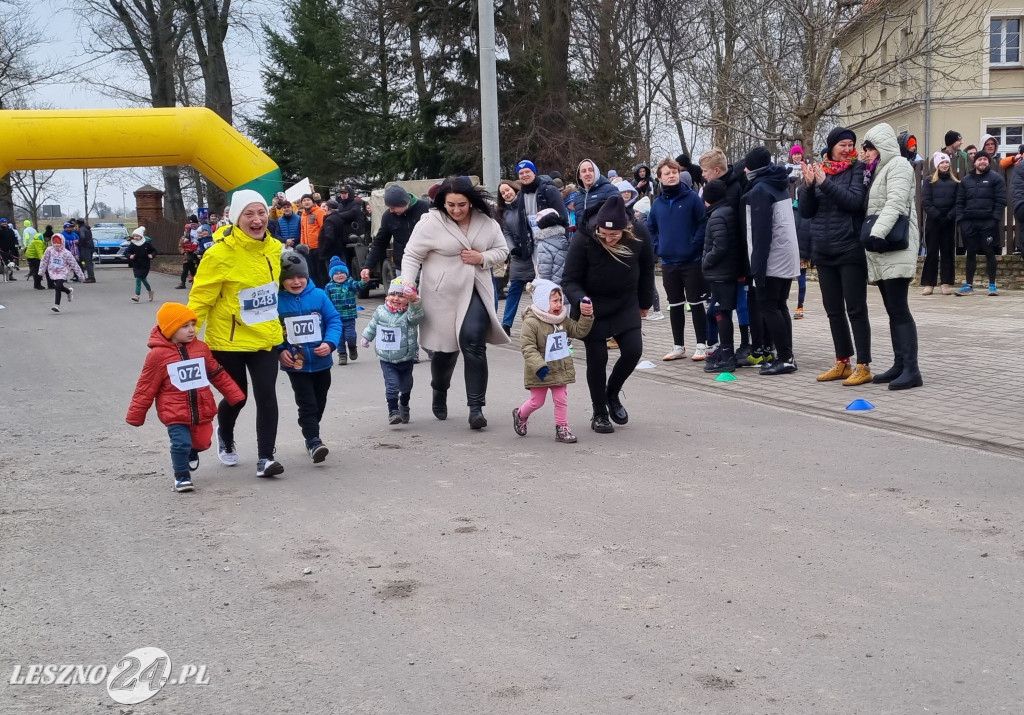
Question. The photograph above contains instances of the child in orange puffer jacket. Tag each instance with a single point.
(177, 375)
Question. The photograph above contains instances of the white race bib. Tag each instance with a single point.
(188, 374)
(557, 347)
(259, 304)
(302, 329)
(389, 338)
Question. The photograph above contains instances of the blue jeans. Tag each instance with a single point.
(348, 335)
(181, 447)
(397, 382)
(512, 298)
(742, 313)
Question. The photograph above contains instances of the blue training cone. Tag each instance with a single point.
(860, 406)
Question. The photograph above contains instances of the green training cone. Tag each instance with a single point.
(725, 377)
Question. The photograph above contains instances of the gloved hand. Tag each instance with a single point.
(364, 342)
(543, 372)
(517, 252)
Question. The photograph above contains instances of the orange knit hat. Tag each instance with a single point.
(172, 316)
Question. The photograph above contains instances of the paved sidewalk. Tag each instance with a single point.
(971, 354)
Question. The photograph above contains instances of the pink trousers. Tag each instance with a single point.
(559, 394)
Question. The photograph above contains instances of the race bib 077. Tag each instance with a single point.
(259, 304)
(188, 374)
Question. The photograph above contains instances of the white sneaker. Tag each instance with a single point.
(712, 349)
(55, 309)
(656, 315)
(226, 453)
(678, 351)
(701, 353)
(71, 294)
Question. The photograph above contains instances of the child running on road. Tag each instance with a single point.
(139, 255)
(177, 375)
(544, 342)
(393, 325)
(312, 329)
(57, 263)
(343, 291)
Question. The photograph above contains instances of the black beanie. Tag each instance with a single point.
(982, 154)
(837, 135)
(714, 191)
(757, 158)
(952, 137)
(612, 214)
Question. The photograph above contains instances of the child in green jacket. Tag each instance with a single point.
(393, 325)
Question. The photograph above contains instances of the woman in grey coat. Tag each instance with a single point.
(890, 196)
(519, 238)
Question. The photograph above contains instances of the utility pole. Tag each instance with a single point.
(489, 97)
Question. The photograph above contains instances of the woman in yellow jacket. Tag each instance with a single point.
(234, 294)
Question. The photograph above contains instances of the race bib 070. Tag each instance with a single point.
(259, 304)
(188, 374)
(301, 329)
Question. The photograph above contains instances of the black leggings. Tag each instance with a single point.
(631, 345)
(894, 296)
(771, 299)
(473, 345)
(310, 390)
(939, 239)
(724, 293)
(58, 288)
(263, 369)
(844, 292)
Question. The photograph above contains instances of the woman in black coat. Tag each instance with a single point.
(833, 197)
(613, 269)
(939, 199)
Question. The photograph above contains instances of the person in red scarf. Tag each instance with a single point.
(832, 197)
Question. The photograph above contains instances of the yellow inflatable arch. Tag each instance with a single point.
(109, 138)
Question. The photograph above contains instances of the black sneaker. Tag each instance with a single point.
(403, 412)
(779, 367)
(193, 461)
(726, 362)
(353, 353)
(601, 424)
(268, 468)
(394, 418)
(318, 451)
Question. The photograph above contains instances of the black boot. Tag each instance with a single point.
(600, 422)
(476, 383)
(442, 365)
(911, 375)
(897, 366)
(617, 411)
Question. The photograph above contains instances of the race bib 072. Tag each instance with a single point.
(188, 374)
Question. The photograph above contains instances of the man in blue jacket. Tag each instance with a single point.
(289, 224)
(676, 223)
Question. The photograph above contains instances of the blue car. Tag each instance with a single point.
(111, 242)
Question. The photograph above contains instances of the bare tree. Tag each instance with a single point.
(34, 188)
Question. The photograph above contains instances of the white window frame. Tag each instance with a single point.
(1007, 13)
(1002, 123)
(1003, 62)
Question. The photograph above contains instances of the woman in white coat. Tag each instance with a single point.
(456, 244)
(891, 196)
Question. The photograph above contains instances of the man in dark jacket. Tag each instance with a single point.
(396, 225)
(773, 250)
(676, 223)
(642, 181)
(8, 243)
(594, 190)
(538, 193)
(85, 248)
(721, 267)
(980, 204)
(334, 235)
(1017, 197)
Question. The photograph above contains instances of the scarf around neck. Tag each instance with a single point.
(550, 318)
(837, 166)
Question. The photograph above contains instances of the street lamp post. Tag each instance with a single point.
(488, 96)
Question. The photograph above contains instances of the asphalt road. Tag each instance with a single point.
(714, 556)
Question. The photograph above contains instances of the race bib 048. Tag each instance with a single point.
(259, 304)
(301, 329)
(188, 374)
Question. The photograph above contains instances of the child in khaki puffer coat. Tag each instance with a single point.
(545, 335)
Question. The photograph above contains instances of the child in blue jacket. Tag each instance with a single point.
(343, 291)
(393, 325)
(312, 329)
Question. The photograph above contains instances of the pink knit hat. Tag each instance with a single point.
(797, 149)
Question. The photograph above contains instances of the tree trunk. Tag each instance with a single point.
(6, 197)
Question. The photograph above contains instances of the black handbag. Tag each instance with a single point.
(897, 239)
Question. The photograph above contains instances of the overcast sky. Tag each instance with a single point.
(53, 20)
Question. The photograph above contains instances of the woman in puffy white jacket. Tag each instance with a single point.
(890, 196)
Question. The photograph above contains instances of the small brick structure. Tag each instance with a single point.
(149, 204)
